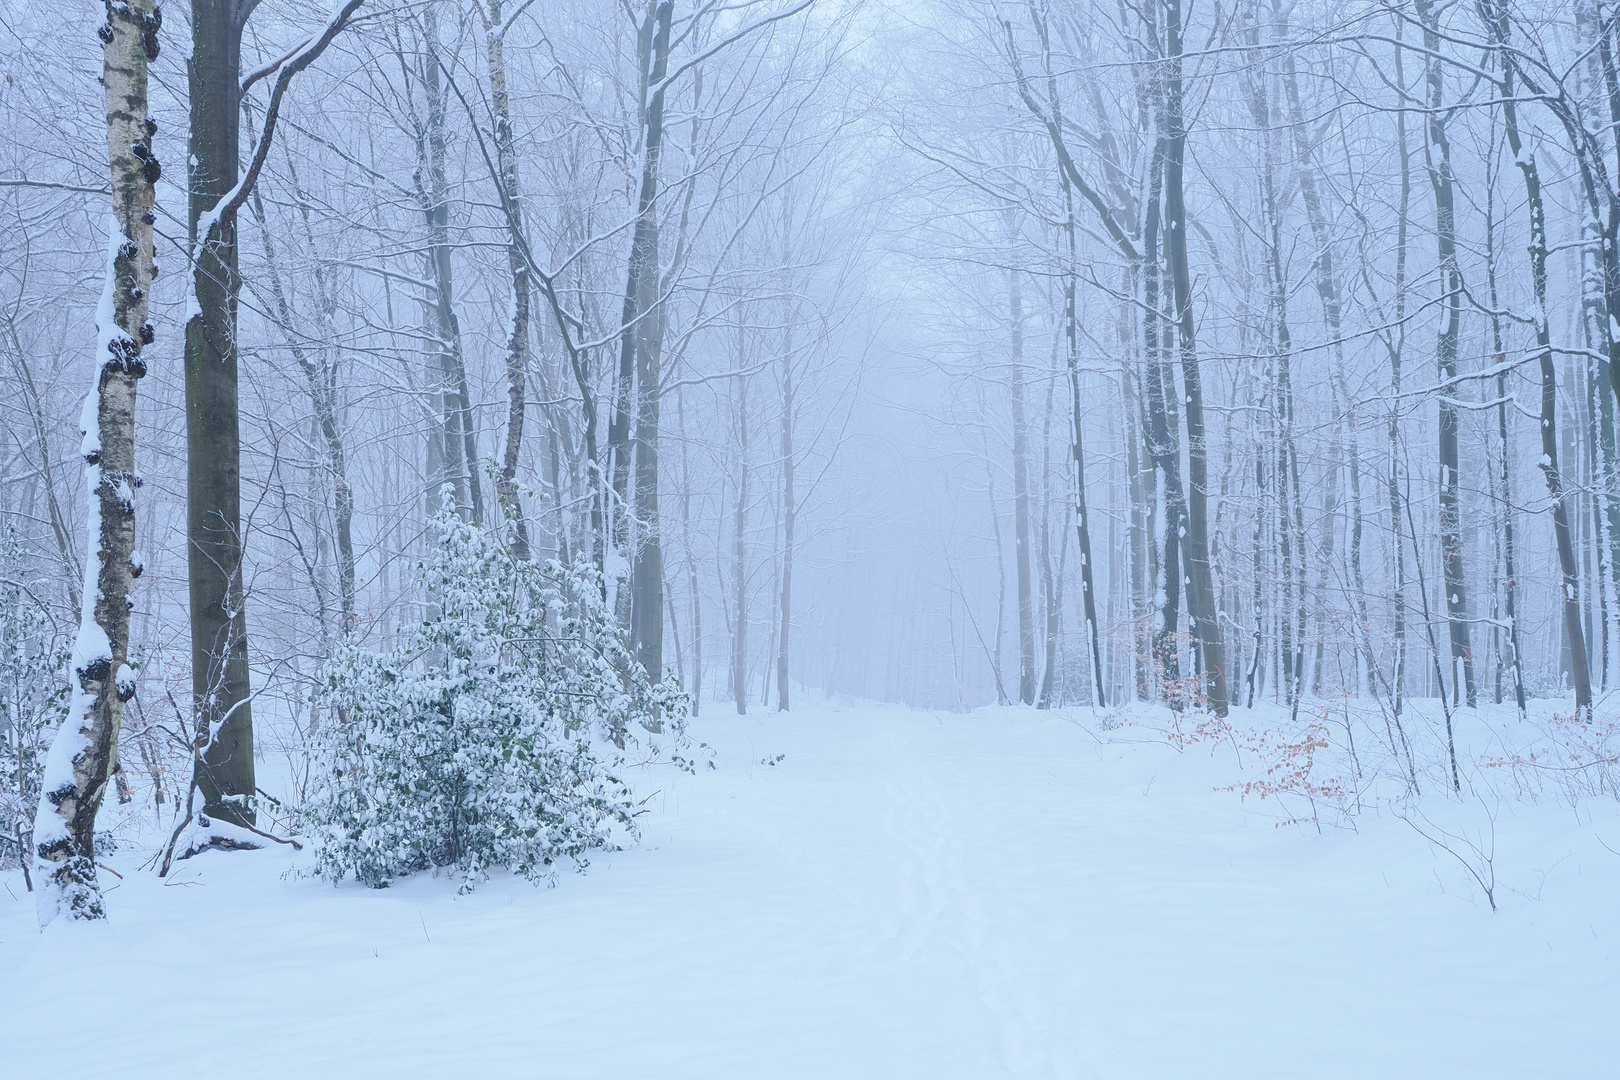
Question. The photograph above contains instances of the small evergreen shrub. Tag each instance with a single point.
(488, 737)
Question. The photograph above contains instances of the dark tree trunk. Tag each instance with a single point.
(223, 764)
(1163, 446)
(647, 571)
(460, 447)
(219, 646)
(1201, 583)
(1438, 153)
(1099, 695)
(1499, 23)
(634, 516)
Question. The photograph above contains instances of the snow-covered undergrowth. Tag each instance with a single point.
(485, 758)
(861, 891)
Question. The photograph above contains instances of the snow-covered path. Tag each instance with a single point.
(904, 895)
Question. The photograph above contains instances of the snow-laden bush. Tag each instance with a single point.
(487, 737)
(33, 692)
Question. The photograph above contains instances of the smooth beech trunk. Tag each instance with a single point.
(1200, 580)
(219, 646)
(1163, 446)
(459, 445)
(223, 766)
(647, 567)
(1438, 156)
(633, 521)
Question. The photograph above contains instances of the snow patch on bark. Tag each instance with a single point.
(91, 645)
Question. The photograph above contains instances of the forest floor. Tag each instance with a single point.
(859, 891)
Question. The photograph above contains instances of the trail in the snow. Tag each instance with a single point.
(1001, 894)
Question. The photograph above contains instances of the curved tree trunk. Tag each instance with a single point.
(517, 264)
(85, 751)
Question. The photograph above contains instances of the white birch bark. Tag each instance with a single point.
(85, 750)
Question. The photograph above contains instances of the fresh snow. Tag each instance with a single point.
(1004, 893)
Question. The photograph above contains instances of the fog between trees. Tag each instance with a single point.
(942, 352)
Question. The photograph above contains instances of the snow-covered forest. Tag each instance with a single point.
(1012, 537)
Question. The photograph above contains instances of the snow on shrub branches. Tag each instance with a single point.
(488, 738)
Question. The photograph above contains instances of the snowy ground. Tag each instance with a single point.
(906, 894)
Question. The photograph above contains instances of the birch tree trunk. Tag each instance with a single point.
(517, 264)
(85, 751)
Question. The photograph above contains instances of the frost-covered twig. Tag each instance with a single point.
(1485, 873)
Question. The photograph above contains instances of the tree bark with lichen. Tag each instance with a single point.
(85, 750)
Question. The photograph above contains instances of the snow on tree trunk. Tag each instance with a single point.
(85, 750)
(517, 341)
